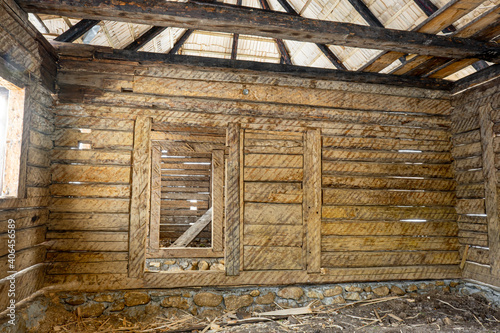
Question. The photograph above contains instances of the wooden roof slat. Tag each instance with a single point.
(234, 19)
(236, 37)
(441, 19)
(181, 41)
(285, 55)
(429, 8)
(77, 31)
(366, 13)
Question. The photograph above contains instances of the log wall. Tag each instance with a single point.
(387, 178)
(476, 150)
(27, 62)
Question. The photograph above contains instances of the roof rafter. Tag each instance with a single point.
(236, 37)
(77, 31)
(144, 38)
(429, 8)
(323, 47)
(285, 54)
(445, 16)
(230, 18)
(366, 13)
(181, 41)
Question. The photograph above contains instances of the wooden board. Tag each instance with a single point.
(362, 182)
(272, 258)
(387, 169)
(387, 243)
(384, 197)
(139, 203)
(380, 228)
(273, 235)
(273, 192)
(368, 213)
(277, 214)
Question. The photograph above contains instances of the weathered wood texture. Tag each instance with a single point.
(377, 141)
(273, 176)
(27, 61)
(475, 147)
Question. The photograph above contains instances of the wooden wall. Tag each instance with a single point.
(386, 162)
(27, 61)
(476, 149)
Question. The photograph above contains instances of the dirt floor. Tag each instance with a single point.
(435, 311)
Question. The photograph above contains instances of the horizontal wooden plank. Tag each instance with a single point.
(200, 205)
(96, 205)
(466, 137)
(90, 190)
(473, 238)
(380, 228)
(94, 122)
(23, 259)
(470, 206)
(384, 156)
(86, 221)
(385, 144)
(274, 160)
(273, 174)
(77, 245)
(481, 256)
(176, 148)
(273, 235)
(384, 259)
(388, 169)
(185, 166)
(273, 192)
(400, 183)
(272, 258)
(112, 267)
(185, 196)
(387, 243)
(25, 238)
(469, 177)
(262, 146)
(390, 198)
(96, 138)
(468, 163)
(89, 173)
(88, 236)
(86, 256)
(191, 137)
(367, 213)
(467, 150)
(90, 156)
(25, 218)
(264, 213)
(470, 191)
(272, 135)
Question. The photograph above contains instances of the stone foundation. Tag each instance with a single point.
(213, 302)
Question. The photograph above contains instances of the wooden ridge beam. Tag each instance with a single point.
(77, 31)
(144, 38)
(252, 21)
(217, 63)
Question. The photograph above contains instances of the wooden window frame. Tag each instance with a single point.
(217, 197)
(15, 164)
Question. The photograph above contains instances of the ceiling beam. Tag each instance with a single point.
(322, 47)
(313, 73)
(77, 31)
(144, 38)
(252, 21)
(472, 80)
(366, 13)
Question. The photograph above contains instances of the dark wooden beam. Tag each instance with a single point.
(252, 21)
(77, 31)
(144, 38)
(181, 41)
(472, 80)
(429, 8)
(236, 37)
(323, 48)
(366, 13)
(480, 65)
(313, 73)
(285, 55)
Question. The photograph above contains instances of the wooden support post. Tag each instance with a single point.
(490, 187)
(154, 223)
(217, 200)
(232, 252)
(312, 199)
(139, 204)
